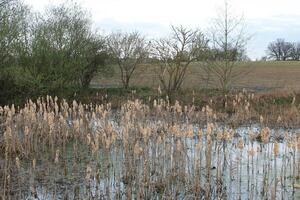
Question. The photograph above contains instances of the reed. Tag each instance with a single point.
(144, 150)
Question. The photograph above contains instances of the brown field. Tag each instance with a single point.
(261, 76)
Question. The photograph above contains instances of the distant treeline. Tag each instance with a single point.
(281, 50)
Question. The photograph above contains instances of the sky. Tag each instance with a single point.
(266, 20)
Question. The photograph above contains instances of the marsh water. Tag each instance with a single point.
(166, 171)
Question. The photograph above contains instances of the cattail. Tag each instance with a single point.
(26, 131)
(159, 90)
(176, 130)
(56, 109)
(234, 103)
(261, 119)
(251, 152)
(18, 163)
(179, 146)
(8, 134)
(215, 116)
(200, 133)
(209, 111)
(56, 156)
(208, 129)
(240, 144)
(159, 140)
(88, 137)
(137, 149)
(198, 146)
(34, 163)
(154, 103)
(208, 139)
(286, 135)
(185, 109)
(275, 149)
(13, 110)
(227, 135)
(294, 100)
(246, 108)
(108, 143)
(76, 125)
(94, 147)
(178, 107)
(219, 135)
(265, 135)
(279, 119)
(75, 105)
(252, 135)
(190, 132)
(88, 173)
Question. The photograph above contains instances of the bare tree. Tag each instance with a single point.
(295, 52)
(287, 49)
(227, 48)
(175, 54)
(280, 50)
(129, 50)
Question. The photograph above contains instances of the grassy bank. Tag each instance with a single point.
(269, 105)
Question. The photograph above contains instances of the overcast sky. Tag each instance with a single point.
(266, 20)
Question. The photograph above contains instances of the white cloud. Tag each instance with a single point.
(190, 12)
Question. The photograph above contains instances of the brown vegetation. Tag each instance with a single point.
(52, 149)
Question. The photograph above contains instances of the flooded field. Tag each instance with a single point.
(53, 150)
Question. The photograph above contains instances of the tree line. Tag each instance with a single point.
(44, 52)
(282, 50)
